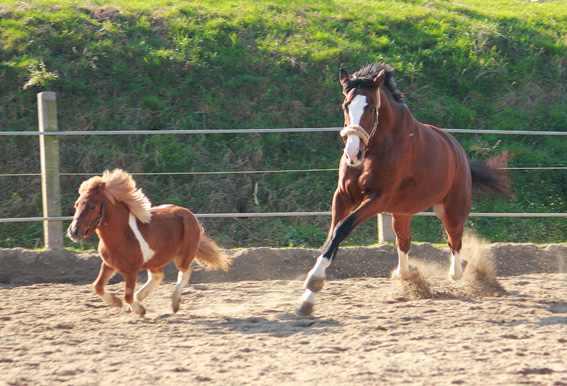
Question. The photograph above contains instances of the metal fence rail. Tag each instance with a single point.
(302, 214)
(49, 133)
(59, 133)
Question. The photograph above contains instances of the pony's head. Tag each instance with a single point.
(361, 106)
(98, 195)
(89, 209)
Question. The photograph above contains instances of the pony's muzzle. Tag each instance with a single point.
(73, 232)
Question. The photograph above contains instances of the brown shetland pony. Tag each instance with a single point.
(134, 237)
(392, 163)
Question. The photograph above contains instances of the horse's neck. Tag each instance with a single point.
(114, 223)
(394, 118)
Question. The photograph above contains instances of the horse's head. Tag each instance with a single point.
(89, 211)
(360, 107)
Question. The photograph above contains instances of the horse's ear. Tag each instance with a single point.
(379, 79)
(344, 77)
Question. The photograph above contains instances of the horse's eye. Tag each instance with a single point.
(90, 206)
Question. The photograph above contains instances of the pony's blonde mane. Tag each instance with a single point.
(119, 185)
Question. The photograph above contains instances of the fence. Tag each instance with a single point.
(49, 134)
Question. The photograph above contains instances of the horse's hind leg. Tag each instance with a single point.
(154, 280)
(101, 281)
(184, 266)
(454, 224)
(401, 225)
(183, 277)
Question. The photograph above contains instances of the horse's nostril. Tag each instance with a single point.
(359, 154)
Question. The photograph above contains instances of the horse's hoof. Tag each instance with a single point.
(138, 308)
(305, 309)
(315, 284)
(404, 275)
(455, 274)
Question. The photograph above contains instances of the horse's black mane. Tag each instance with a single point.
(363, 79)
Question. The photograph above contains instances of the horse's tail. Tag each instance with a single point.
(210, 256)
(490, 176)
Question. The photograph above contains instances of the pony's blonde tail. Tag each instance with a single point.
(210, 256)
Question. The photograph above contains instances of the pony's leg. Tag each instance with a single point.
(154, 280)
(401, 225)
(316, 276)
(454, 225)
(129, 286)
(104, 275)
(183, 277)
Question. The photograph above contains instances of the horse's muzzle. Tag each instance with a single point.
(73, 233)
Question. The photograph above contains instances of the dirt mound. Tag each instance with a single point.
(20, 266)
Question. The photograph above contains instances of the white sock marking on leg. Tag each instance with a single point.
(154, 280)
(320, 267)
(456, 268)
(308, 297)
(403, 264)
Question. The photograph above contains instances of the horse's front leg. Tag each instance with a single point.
(316, 277)
(129, 286)
(104, 275)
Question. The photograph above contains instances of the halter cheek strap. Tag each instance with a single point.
(100, 216)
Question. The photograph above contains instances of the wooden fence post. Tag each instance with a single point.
(49, 154)
(385, 230)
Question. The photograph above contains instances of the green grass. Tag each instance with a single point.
(227, 64)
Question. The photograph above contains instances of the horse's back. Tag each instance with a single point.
(459, 191)
(174, 227)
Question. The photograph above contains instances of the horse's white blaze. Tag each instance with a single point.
(403, 264)
(147, 252)
(356, 109)
(456, 268)
(355, 112)
(352, 147)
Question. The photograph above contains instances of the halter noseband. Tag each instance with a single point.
(359, 131)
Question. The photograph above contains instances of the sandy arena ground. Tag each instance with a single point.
(366, 330)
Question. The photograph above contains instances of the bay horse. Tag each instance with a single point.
(393, 163)
(134, 237)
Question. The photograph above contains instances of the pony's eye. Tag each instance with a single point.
(90, 206)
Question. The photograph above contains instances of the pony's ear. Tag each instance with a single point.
(344, 77)
(379, 79)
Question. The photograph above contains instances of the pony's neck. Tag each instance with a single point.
(114, 222)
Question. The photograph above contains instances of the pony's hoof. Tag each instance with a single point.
(138, 308)
(305, 309)
(175, 305)
(455, 275)
(315, 284)
(116, 302)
